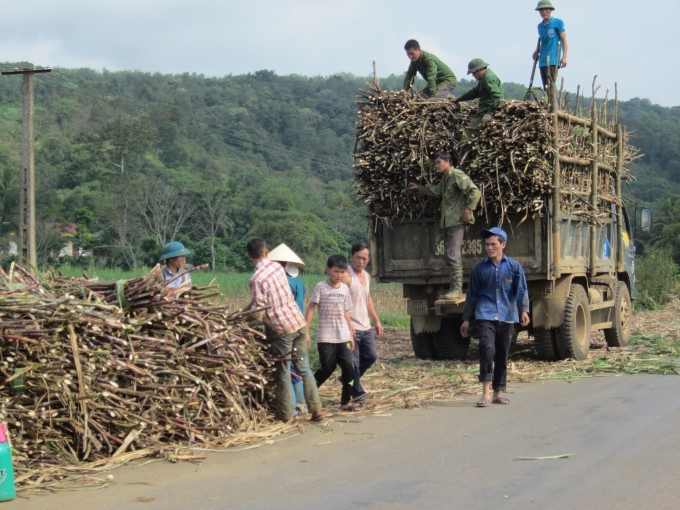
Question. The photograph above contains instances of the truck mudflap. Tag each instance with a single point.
(426, 323)
(547, 310)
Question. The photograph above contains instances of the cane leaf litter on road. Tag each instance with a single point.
(398, 380)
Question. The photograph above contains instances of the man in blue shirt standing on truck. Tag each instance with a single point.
(553, 48)
(497, 299)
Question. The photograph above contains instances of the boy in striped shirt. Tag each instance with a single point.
(335, 334)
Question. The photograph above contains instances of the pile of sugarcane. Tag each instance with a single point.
(510, 159)
(90, 369)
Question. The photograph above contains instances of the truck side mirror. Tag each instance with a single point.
(646, 220)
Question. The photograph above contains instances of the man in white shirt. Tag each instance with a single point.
(362, 313)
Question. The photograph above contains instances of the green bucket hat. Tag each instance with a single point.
(545, 4)
(476, 64)
(173, 249)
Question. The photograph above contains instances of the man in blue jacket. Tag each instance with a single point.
(497, 299)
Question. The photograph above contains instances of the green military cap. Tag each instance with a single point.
(476, 64)
(545, 4)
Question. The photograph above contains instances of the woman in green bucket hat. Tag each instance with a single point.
(174, 254)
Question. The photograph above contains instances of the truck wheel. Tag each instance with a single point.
(545, 344)
(448, 343)
(573, 337)
(619, 334)
(422, 344)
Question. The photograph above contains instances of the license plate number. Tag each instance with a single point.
(417, 307)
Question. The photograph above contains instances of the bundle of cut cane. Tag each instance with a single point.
(510, 160)
(83, 378)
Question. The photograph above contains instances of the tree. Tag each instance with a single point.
(210, 250)
(125, 138)
(48, 239)
(126, 223)
(236, 258)
(7, 180)
(166, 211)
(214, 216)
(84, 238)
(308, 235)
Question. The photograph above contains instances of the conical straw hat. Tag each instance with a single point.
(284, 254)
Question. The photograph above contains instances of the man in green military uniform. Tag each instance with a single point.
(459, 198)
(440, 79)
(489, 90)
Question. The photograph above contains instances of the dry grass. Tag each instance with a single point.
(401, 380)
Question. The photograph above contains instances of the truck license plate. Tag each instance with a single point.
(417, 307)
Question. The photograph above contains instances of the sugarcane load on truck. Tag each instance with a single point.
(549, 175)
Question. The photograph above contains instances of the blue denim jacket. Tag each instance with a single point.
(496, 293)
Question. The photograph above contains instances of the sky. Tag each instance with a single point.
(624, 41)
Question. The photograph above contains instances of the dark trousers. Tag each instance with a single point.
(330, 356)
(363, 356)
(545, 76)
(494, 351)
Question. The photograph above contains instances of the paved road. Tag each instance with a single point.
(624, 433)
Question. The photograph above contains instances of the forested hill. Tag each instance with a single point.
(140, 159)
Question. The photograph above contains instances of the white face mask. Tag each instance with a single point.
(291, 269)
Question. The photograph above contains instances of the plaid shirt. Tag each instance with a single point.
(270, 287)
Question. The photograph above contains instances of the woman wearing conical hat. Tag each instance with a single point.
(292, 264)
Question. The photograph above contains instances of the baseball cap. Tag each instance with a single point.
(495, 231)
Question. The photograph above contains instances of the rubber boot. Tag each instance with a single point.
(456, 289)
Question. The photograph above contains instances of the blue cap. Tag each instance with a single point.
(173, 249)
(486, 232)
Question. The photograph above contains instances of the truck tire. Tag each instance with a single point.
(545, 344)
(448, 342)
(422, 344)
(573, 337)
(619, 334)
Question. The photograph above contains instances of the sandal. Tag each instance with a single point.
(350, 409)
(501, 400)
(483, 402)
(360, 399)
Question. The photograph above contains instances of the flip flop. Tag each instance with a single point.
(501, 400)
(483, 402)
(351, 409)
(360, 399)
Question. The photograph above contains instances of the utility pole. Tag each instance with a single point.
(26, 250)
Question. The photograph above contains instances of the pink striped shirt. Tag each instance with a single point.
(270, 287)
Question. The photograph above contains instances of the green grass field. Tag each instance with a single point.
(388, 300)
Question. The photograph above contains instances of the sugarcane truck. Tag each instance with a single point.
(580, 274)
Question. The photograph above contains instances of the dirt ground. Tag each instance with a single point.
(396, 343)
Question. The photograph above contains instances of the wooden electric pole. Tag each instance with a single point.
(26, 251)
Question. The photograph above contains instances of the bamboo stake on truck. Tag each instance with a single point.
(556, 195)
(593, 185)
